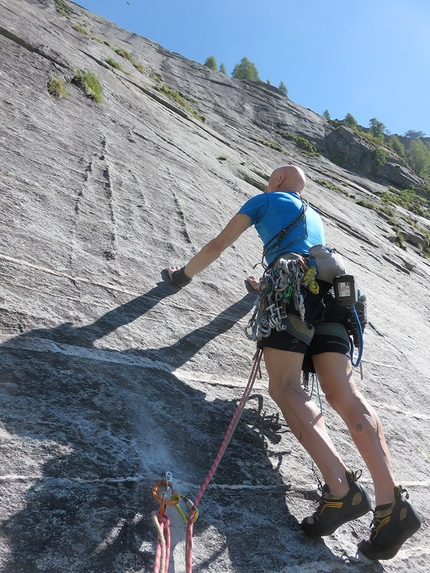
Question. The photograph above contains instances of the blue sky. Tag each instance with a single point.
(370, 58)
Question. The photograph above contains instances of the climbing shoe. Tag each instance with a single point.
(332, 512)
(391, 526)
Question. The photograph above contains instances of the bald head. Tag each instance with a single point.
(287, 178)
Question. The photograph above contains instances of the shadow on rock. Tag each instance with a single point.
(90, 431)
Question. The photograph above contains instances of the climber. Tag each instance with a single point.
(280, 213)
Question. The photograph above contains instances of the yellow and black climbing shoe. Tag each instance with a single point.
(391, 526)
(332, 512)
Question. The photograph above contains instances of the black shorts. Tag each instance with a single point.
(283, 341)
(328, 337)
(328, 318)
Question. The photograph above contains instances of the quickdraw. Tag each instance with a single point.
(194, 512)
(279, 286)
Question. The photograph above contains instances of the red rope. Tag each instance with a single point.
(234, 421)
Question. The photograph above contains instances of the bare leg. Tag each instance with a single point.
(335, 375)
(303, 417)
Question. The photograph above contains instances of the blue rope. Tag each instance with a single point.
(316, 383)
(361, 340)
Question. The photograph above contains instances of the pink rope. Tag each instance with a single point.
(189, 547)
(167, 538)
(162, 555)
(233, 423)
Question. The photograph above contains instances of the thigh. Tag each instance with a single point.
(329, 338)
(283, 367)
(335, 374)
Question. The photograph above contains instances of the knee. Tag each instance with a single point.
(349, 400)
(274, 392)
(335, 402)
(280, 389)
(351, 406)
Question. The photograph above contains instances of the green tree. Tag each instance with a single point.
(245, 70)
(377, 128)
(283, 89)
(379, 155)
(326, 115)
(350, 121)
(412, 134)
(397, 146)
(211, 63)
(419, 158)
(222, 69)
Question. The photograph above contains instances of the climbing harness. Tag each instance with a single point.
(171, 497)
(281, 286)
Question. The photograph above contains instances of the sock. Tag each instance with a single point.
(383, 510)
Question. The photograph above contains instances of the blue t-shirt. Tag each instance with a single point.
(271, 212)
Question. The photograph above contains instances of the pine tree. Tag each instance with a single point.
(397, 146)
(283, 89)
(245, 70)
(211, 63)
(419, 157)
(350, 121)
(412, 134)
(377, 128)
(222, 69)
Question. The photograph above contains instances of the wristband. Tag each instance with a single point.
(180, 279)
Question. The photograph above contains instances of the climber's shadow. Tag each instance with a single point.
(104, 423)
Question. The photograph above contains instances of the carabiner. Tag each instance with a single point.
(189, 505)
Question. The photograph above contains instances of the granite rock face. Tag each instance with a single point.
(108, 375)
(348, 149)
